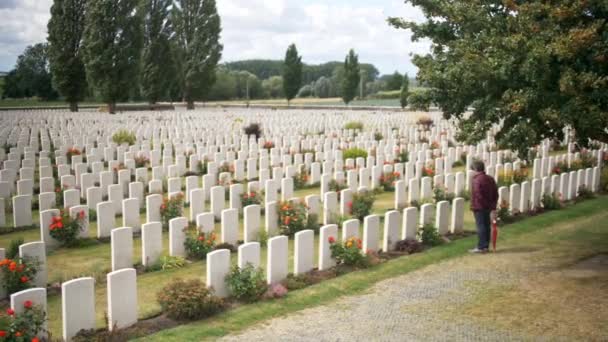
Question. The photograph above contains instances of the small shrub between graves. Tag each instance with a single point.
(388, 180)
(296, 282)
(268, 145)
(378, 136)
(300, 181)
(408, 246)
(276, 291)
(246, 284)
(503, 214)
(18, 273)
(12, 251)
(167, 262)
(520, 176)
(354, 125)
(198, 244)
(251, 198)
(402, 157)
(362, 204)
(428, 171)
(292, 217)
(253, 129)
(354, 153)
(225, 245)
(584, 193)
(551, 202)
(440, 193)
(348, 253)
(65, 228)
(171, 208)
(335, 186)
(188, 300)
(72, 151)
(141, 162)
(124, 137)
(604, 178)
(429, 236)
(92, 215)
(24, 326)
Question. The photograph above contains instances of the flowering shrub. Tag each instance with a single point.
(65, 228)
(292, 217)
(440, 193)
(171, 208)
(503, 214)
(388, 179)
(428, 171)
(300, 181)
(268, 145)
(276, 291)
(23, 326)
(198, 244)
(587, 160)
(188, 300)
(246, 284)
(505, 178)
(250, 198)
(520, 175)
(141, 161)
(434, 145)
(362, 204)
(18, 274)
(402, 157)
(348, 253)
(560, 168)
(72, 152)
(336, 186)
(584, 193)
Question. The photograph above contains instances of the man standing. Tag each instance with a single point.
(484, 197)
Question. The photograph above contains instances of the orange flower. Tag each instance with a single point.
(201, 238)
(12, 266)
(18, 334)
(4, 262)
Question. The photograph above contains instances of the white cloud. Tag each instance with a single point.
(322, 30)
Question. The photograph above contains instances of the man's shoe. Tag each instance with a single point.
(478, 251)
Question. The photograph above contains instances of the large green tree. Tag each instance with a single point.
(31, 76)
(292, 73)
(534, 67)
(66, 28)
(197, 27)
(112, 47)
(156, 55)
(394, 81)
(352, 76)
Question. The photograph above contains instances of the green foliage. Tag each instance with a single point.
(535, 67)
(12, 251)
(198, 244)
(503, 214)
(354, 153)
(440, 193)
(246, 284)
(584, 193)
(403, 157)
(551, 202)
(348, 253)
(23, 326)
(250, 198)
(354, 125)
(188, 300)
(170, 209)
(66, 229)
(296, 282)
(386, 95)
(167, 262)
(156, 55)
(405, 91)
(124, 137)
(429, 236)
(66, 28)
(18, 273)
(604, 179)
(420, 100)
(378, 136)
(305, 91)
(292, 72)
(409, 246)
(351, 77)
(30, 77)
(362, 204)
(388, 180)
(111, 48)
(394, 82)
(273, 87)
(263, 238)
(324, 88)
(292, 217)
(197, 33)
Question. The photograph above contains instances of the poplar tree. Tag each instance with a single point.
(292, 73)
(405, 91)
(197, 34)
(112, 47)
(66, 28)
(156, 55)
(352, 76)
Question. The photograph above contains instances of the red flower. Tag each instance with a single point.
(10, 312)
(2, 333)
(331, 239)
(27, 304)
(200, 238)
(24, 279)
(163, 206)
(18, 334)
(12, 266)
(35, 339)
(81, 215)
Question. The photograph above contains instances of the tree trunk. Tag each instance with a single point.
(112, 107)
(73, 106)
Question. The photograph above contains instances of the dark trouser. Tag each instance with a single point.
(482, 219)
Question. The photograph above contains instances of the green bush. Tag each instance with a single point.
(167, 262)
(387, 95)
(124, 137)
(429, 236)
(296, 282)
(356, 125)
(12, 251)
(584, 193)
(253, 129)
(378, 136)
(348, 253)
(551, 202)
(420, 100)
(604, 180)
(188, 300)
(354, 153)
(362, 204)
(246, 284)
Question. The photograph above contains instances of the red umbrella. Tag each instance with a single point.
(494, 234)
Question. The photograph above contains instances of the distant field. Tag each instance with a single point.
(36, 103)
(317, 102)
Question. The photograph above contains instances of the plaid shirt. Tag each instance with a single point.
(485, 192)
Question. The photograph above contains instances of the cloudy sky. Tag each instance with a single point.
(323, 30)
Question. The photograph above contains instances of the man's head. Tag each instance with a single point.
(478, 166)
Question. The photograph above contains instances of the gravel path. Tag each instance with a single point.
(420, 306)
